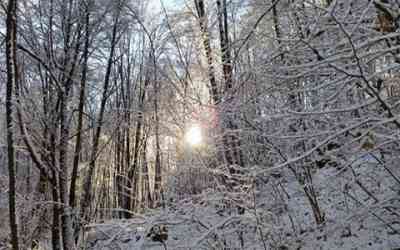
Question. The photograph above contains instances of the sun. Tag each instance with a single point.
(194, 136)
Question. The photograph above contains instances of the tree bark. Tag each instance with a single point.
(82, 95)
(12, 78)
(69, 64)
(67, 229)
(147, 200)
(202, 19)
(158, 190)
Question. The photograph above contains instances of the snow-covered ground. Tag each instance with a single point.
(277, 222)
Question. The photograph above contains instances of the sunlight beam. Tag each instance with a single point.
(194, 136)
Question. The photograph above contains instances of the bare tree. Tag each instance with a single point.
(88, 179)
(12, 78)
(82, 96)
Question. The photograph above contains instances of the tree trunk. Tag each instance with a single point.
(132, 173)
(67, 229)
(147, 200)
(55, 229)
(69, 64)
(133, 170)
(88, 179)
(12, 77)
(231, 140)
(82, 95)
(202, 19)
(52, 148)
(158, 190)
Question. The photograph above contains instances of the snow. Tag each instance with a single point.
(198, 224)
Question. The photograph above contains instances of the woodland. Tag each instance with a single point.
(199, 124)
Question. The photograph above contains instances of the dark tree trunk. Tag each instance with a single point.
(52, 148)
(67, 229)
(82, 95)
(233, 153)
(12, 78)
(147, 200)
(55, 229)
(88, 179)
(133, 175)
(69, 63)
(158, 189)
(202, 19)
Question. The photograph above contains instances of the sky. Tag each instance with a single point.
(155, 5)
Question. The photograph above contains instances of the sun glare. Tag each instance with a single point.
(193, 135)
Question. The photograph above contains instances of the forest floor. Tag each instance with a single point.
(363, 216)
(367, 222)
